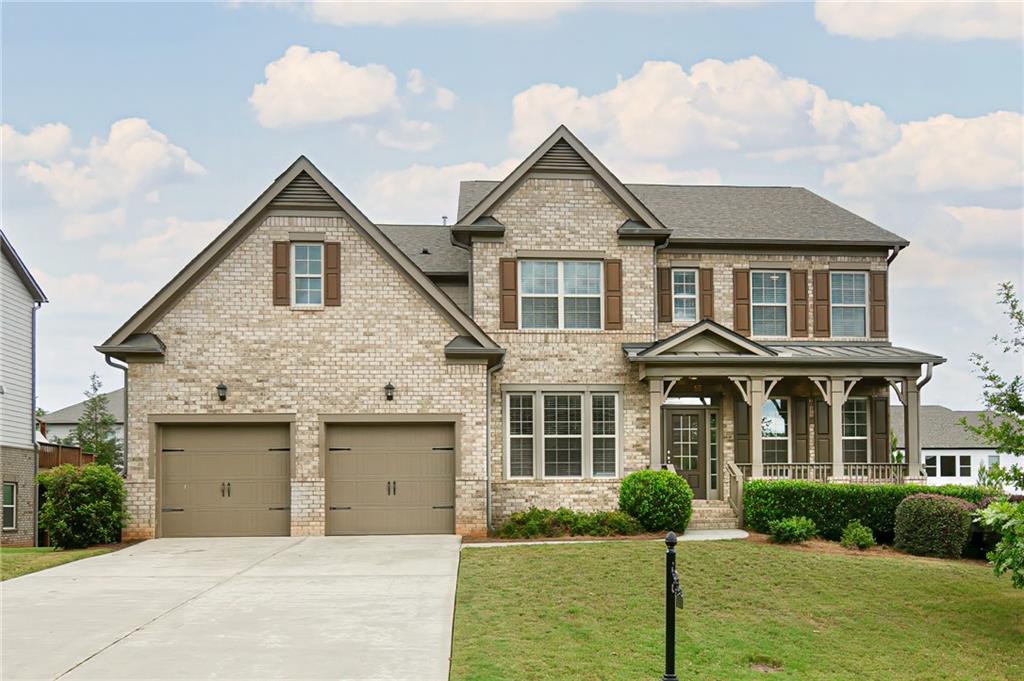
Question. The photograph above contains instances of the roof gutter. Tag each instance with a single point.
(895, 251)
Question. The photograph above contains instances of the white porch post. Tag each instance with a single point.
(912, 423)
(837, 389)
(756, 388)
(657, 397)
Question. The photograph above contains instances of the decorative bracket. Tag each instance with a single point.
(821, 383)
(898, 385)
(772, 382)
(742, 384)
(848, 384)
(668, 390)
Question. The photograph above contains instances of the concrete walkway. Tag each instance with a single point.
(241, 608)
(689, 535)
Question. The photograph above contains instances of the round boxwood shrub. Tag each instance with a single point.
(857, 536)
(933, 525)
(84, 506)
(795, 530)
(659, 500)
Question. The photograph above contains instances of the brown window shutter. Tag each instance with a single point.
(282, 273)
(822, 298)
(879, 304)
(822, 431)
(800, 430)
(332, 273)
(613, 295)
(664, 294)
(741, 301)
(799, 304)
(880, 451)
(741, 414)
(509, 303)
(707, 293)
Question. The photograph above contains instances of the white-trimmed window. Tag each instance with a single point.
(604, 433)
(10, 506)
(560, 294)
(855, 430)
(965, 465)
(307, 274)
(775, 430)
(993, 460)
(769, 302)
(849, 296)
(947, 466)
(520, 435)
(684, 295)
(563, 436)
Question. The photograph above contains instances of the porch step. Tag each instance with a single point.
(713, 515)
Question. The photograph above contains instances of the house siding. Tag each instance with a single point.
(16, 344)
(310, 363)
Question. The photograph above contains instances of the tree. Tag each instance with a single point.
(1001, 425)
(96, 430)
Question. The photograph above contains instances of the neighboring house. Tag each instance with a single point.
(951, 455)
(61, 423)
(20, 297)
(311, 372)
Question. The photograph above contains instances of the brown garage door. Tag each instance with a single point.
(222, 480)
(391, 479)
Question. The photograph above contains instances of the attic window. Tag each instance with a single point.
(307, 274)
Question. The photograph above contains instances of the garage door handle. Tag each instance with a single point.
(448, 506)
(172, 510)
(222, 488)
(280, 508)
(341, 508)
(229, 489)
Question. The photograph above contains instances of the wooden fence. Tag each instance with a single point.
(51, 456)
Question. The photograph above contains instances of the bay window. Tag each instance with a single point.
(849, 304)
(769, 302)
(560, 294)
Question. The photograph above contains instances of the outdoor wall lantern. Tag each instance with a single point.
(389, 392)
(222, 392)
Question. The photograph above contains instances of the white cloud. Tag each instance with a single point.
(662, 111)
(659, 173)
(472, 13)
(168, 245)
(416, 82)
(133, 158)
(42, 143)
(86, 225)
(90, 294)
(948, 20)
(444, 98)
(943, 153)
(409, 136)
(305, 87)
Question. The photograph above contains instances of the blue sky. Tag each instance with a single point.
(134, 132)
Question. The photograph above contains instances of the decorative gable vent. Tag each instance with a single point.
(561, 158)
(303, 192)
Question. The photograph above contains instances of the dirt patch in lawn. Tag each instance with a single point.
(833, 547)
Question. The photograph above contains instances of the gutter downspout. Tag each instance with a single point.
(895, 251)
(487, 435)
(124, 453)
(35, 445)
(928, 376)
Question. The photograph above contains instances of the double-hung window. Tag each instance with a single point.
(769, 302)
(775, 431)
(520, 435)
(604, 433)
(849, 295)
(560, 294)
(10, 504)
(684, 295)
(855, 430)
(563, 436)
(307, 274)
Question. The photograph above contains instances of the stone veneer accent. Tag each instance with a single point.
(308, 363)
(18, 466)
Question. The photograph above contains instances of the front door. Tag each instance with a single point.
(685, 447)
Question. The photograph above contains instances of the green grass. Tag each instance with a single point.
(595, 611)
(18, 562)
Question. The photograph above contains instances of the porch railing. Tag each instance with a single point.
(875, 472)
(815, 472)
(735, 489)
(822, 472)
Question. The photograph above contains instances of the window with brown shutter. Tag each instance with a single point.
(707, 293)
(879, 304)
(613, 295)
(664, 294)
(281, 274)
(509, 296)
(798, 305)
(880, 446)
(741, 301)
(822, 307)
(822, 431)
(332, 273)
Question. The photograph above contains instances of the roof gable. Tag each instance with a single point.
(706, 337)
(301, 185)
(27, 280)
(562, 152)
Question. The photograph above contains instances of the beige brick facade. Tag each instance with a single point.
(18, 466)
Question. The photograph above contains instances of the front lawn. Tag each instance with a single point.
(17, 562)
(595, 611)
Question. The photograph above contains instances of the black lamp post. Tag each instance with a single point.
(222, 392)
(673, 596)
(389, 392)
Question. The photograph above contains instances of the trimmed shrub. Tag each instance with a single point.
(857, 536)
(541, 522)
(793, 530)
(659, 500)
(832, 506)
(933, 525)
(83, 506)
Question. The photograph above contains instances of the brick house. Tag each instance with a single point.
(313, 372)
(20, 297)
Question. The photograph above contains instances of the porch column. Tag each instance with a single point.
(756, 388)
(657, 397)
(912, 425)
(837, 391)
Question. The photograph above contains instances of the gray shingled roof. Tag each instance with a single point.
(441, 257)
(742, 214)
(115, 405)
(940, 428)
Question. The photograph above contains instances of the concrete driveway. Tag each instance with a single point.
(240, 608)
